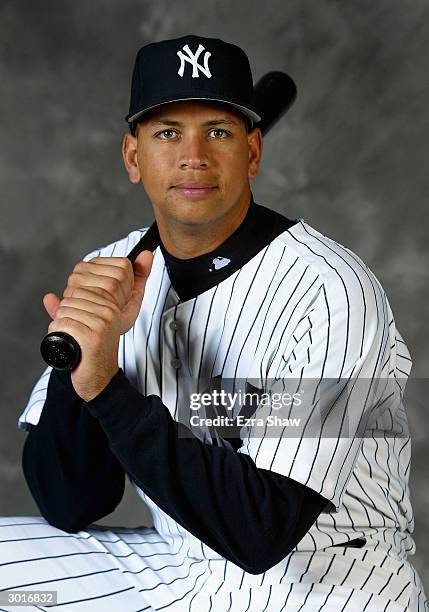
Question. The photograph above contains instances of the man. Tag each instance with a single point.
(269, 518)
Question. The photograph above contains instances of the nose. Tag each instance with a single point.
(193, 152)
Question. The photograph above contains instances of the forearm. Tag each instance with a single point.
(250, 516)
(73, 475)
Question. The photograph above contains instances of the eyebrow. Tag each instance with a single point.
(206, 123)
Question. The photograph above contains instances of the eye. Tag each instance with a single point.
(161, 134)
(222, 131)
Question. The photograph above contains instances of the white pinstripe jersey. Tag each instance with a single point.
(304, 309)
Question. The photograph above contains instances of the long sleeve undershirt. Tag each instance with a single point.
(75, 461)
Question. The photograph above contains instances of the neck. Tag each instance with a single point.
(186, 241)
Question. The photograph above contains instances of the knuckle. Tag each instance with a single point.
(122, 275)
(105, 293)
(68, 303)
(127, 263)
(79, 266)
(102, 292)
(104, 324)
(112, 284)
(77, 292)
(67, 320)
(112, 311)
(62, 322)
(124, 261)
(99, 326)
(72, 279)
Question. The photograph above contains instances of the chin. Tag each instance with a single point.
(196, 220)
(195, 214)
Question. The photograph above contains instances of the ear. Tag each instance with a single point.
(129, 154)
(254, 139)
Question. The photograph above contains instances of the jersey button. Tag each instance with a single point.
(174, 325)
(175, 363)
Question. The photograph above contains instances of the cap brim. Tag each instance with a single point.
(246, 111)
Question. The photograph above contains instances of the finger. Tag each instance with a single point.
(91, 303)
(111, 266)
(118, 267)
(82, 333)
(98, 319)
(51, 301)
(118, 288)
(120, 262)
(79, 330)
(93, 294)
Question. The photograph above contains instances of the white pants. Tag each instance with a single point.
(107, 569)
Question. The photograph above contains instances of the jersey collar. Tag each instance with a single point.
(191, 277)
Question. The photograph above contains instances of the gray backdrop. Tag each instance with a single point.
(348, 158)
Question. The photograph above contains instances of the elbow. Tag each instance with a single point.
(254, 569)
(65, 524)
(75, 517)
(261, 564)
(263, 555)
(70, 504)
(70, 521)
(78, 516)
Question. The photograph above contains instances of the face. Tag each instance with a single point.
(195, 160)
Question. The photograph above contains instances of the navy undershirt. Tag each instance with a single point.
(76, 458)
(190, 277)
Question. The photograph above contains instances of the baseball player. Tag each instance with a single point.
(300, 501)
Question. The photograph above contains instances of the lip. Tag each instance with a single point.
(194, 189)
(195, 185)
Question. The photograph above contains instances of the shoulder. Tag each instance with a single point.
(349, 314)
(118, 248)
(341, 271)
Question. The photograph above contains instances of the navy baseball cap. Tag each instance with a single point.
(195, 68)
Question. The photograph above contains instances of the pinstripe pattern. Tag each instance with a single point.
(304, 314)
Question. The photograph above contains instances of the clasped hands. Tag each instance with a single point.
(100, 303)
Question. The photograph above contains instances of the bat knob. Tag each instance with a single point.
(60, 351)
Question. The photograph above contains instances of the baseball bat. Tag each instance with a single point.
(274, 93)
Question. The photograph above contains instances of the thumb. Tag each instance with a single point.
(51, 301)
(141, 268)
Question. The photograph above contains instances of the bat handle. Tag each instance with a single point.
(60, 351)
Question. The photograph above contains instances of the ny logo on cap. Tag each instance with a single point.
(193, 60)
